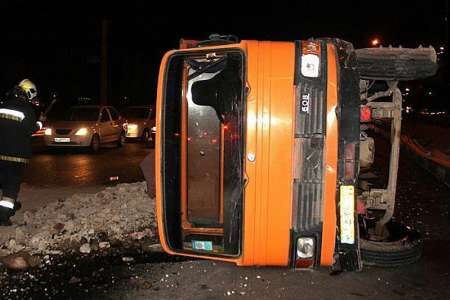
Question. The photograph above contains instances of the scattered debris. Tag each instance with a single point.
(20, 261)
(86, 222)
(104, 245)
(127, 259)
(85, 248)
(74, 280)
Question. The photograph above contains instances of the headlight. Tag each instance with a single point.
(305, 247)
(48, 131)
(132, 127)
(154, 129)
(82, 131)
(132, 130)
(310, 65)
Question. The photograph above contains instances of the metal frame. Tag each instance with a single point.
(384, 199)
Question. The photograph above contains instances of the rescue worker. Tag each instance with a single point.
(17, 124)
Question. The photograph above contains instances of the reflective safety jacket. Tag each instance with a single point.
(17, 124)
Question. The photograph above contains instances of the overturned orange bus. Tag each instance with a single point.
(258, 151)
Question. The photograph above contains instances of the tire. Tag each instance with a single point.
(121, 140)
(403, 247)
(396, 63)
(95, 144)
(153, 140)
(147, 139)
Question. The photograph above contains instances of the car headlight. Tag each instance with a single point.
(82, 131)
(132, 127)
(48, 131)
(305, 247)
(154, 129)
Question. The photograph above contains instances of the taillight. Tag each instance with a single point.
(365, 114)
(310, 61)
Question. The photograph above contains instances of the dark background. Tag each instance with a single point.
(59, 47)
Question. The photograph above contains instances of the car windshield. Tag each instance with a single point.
(136, 112)
(83, 114)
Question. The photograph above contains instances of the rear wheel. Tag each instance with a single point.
(396, 63)
(121, 140)
(95, 143)
(402, 246)
(148, 139)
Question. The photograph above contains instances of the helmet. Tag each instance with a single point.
(29, 88)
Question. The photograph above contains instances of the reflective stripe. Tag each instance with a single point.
(14, 159)
(12, 113)
(7, 204)
(9, 117)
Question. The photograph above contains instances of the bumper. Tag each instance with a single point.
(327, 135)
(132, 136)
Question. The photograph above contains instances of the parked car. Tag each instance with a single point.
(140, 123)
(86, 126)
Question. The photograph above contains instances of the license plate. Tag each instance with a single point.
(62, 140)
(347, 214)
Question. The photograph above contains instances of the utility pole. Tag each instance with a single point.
(104, 64)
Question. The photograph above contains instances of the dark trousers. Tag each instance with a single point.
(10, 178)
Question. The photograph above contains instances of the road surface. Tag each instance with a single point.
(79, 167)
(422, 202)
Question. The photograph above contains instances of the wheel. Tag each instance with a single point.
(402, 247)
(153, 140)
(396, 63)
(148, 139)
(95, 143)
(121, 140)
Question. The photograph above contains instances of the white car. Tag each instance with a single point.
(140, 123)
(86, 126)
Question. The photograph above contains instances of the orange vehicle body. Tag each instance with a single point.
(271, 165)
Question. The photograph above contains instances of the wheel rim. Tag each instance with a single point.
(95, 143)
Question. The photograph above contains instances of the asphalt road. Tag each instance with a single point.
(79, 167)
(422, 202)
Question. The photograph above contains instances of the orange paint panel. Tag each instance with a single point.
(331, 157)
(158, 175)
(269, 137)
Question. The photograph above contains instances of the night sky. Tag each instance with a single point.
(59, 48)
